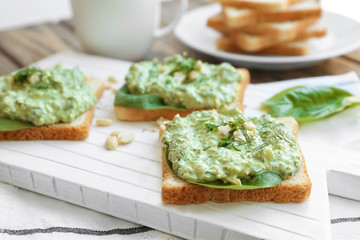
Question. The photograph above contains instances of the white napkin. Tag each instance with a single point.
(28, 215)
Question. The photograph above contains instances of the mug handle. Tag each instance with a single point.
(167, 29)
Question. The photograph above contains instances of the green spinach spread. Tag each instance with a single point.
(209, 146)
(45, 96)
(181, 81)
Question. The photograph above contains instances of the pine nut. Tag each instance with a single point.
(111, 143)
(103, 122)
(193, 75)
(161, 120)
(112, 79)
(125, 138)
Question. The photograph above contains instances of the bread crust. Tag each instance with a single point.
(134, 114)
(176, 191)
(300, 48)
(77, 130)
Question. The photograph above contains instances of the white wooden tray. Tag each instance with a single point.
(126, 183)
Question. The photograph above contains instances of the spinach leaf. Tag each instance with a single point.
(141, 101)
(12, 125)
(306, 103)
(262, 180)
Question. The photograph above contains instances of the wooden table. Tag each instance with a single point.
(21, 47)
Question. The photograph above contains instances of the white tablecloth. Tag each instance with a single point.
(28, 215)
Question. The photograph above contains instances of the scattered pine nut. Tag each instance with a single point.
(115, 133)
(104, 122)
(125, 138)
(111, 143)
(114, 90)
(112, 79)
(161, 120)
(107, 86)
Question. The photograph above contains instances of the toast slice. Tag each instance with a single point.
(254, 43)
(280, 29)
(275, 30)
(298, 48)
(237, 18)
(134, 114)
(217, 22)
(174, 190)
(263, 5)
(77, 130)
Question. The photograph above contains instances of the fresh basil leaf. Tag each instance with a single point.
(140, 101)
(306, 103)
(12, 125)
(262, 180)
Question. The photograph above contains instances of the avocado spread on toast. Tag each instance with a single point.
(225, 146)
(45, 97)
(181, 82)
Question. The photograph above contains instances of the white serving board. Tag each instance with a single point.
(126, 183)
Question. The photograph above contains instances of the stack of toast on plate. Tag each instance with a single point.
(279, 27)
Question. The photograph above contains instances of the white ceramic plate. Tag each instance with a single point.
(343, 37)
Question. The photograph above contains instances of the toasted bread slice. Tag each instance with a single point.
(274, 30)
(77, 130)
(237, 18)
(299, 48)
(134, 114)
(280, 29)
(174, 190)
(264, 5)
(254, 43)
(217, 23)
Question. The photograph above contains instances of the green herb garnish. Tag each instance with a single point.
(211, 126)
(270, 136)
(230, 142)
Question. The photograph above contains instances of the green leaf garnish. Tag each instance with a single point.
(12, 125)
(229, 142)
(211, 126)
(306, 103)
(226, 142)
(141, 101)
(261, 180)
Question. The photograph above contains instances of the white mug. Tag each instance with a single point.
(121, 29)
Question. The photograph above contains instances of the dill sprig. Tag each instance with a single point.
(229, 142)
(270, 137)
